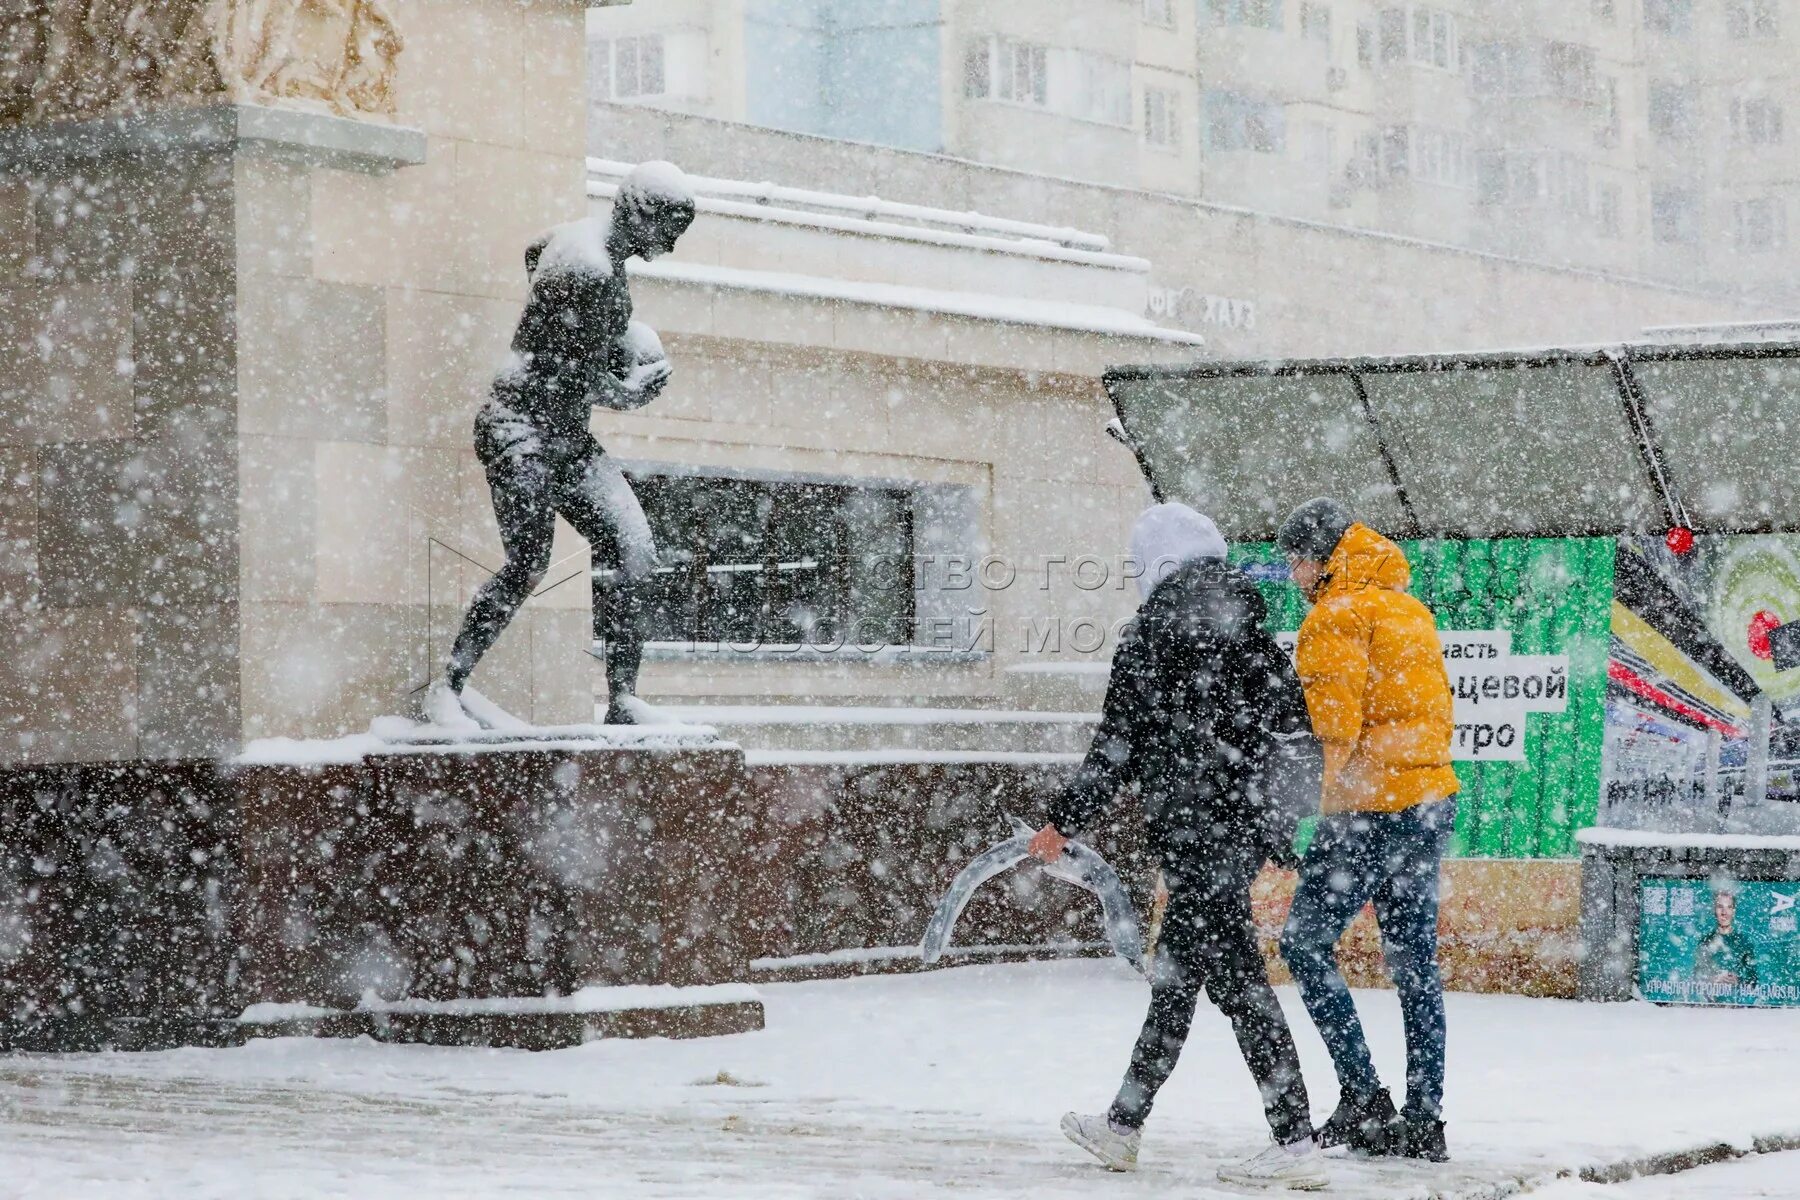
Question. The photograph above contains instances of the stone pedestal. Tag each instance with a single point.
(258, 260)
(403, 892)
(447, 874)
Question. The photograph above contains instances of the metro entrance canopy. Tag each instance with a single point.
(1597, 441)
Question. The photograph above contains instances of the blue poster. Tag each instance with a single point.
(1719, 941)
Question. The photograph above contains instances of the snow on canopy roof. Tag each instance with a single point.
(1558, 442)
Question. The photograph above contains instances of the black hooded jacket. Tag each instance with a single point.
(1205, 714)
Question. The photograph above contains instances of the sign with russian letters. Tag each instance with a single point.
(1494, 690)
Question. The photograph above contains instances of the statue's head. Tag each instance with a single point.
(654, 208)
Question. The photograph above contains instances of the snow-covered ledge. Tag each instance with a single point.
(1634, 839)
(862, 274)
(303, 135)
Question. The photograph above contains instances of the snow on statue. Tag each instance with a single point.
(576, 347)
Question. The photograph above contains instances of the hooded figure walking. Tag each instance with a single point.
(1202, 711)
(576, 348)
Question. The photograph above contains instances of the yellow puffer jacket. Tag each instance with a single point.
(1373, 669)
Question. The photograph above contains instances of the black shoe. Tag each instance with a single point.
(1366, 1124)
(1421, 1137)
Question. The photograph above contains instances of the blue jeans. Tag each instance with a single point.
(1391, 859)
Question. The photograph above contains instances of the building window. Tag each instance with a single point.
(627, 68)
(1102, 90)
(1260, 14)
(998, 68)
(1756, 122)
(1605, 10)
(1569, 70)
(1433, 38)
(1365, 45)
(1235, 121)
(1746, 19)
(1674, 216)
(1672, 17)
(1022, 72)
(1608, 204)
(1531, 179)
(1442, 157)
(1396, 152)
(1076, 83)
(1611, 127)
(1761, 224)
(1420, 35)
(1160, 12)
(775, 563)
(978, 69)
(1566, 186)
(1672, 112)
(1315, 23)
(1318, 148)
(1162, 118)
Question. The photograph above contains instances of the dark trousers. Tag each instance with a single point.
(1391, 859)
(534, 475)
(1208, 941)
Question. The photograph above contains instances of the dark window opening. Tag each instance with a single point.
(761, 562)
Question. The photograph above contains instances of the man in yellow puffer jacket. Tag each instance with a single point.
(1372, 665)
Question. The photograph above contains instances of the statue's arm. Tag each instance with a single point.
(638, 387)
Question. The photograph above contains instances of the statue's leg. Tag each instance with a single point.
(520, 472)
(603, 509)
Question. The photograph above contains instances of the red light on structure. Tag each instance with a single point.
(1761, 626)
(1680, 540)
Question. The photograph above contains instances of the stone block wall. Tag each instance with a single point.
(150, 903)
(119, 565)
(239, 363)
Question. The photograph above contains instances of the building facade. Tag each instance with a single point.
(1641, 136)
(923, 381)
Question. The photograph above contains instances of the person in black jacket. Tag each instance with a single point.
(1202, 712)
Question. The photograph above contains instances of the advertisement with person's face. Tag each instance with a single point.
(1721, 941)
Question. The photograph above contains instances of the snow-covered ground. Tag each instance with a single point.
(1759, 1177)
(940, 1084)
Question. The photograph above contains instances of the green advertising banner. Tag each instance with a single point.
(1526, 625)
(1719, 942)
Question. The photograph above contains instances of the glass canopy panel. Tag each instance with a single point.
(1515, 449)
(1245, 449)
(1730, 436)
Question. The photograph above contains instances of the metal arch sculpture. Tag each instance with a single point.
(1079, 865)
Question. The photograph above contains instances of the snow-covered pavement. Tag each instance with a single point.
(896, 1088)
(1759, 1177)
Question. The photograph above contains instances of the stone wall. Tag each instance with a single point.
(248, 314)
(153, 902)
(374, 309)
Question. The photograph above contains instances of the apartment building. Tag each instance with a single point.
(1640, 136)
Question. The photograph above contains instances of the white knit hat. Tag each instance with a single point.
(1168, 536)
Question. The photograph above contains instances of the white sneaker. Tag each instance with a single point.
(442, 709)
(1097, 1136)
(490, 715)
(1297, 1167)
